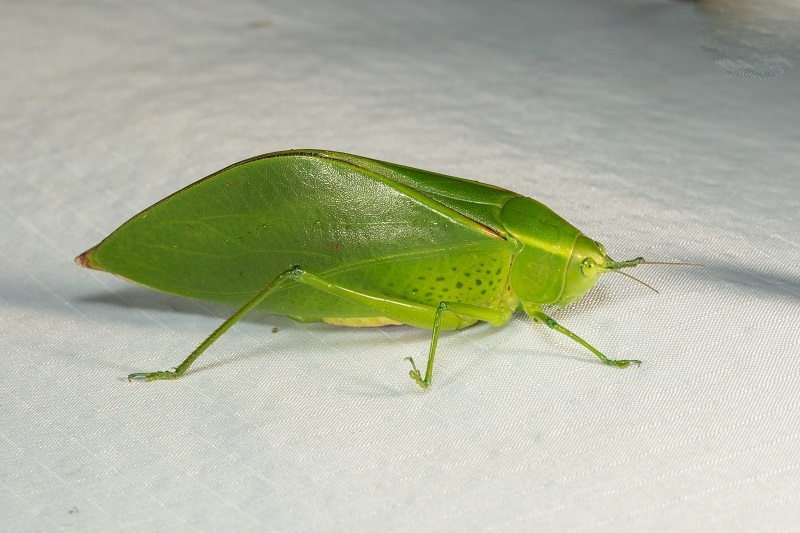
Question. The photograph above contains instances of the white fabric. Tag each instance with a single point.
(609, 112)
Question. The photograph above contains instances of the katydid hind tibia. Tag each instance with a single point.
(318, 235)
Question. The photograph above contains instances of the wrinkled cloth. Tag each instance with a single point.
(608, 112)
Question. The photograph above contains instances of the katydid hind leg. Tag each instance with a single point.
(292, 273)
(537, 315)
(407, 312)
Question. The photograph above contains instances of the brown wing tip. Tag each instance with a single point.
(85, 259)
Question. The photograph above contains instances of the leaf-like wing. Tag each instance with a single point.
(352, 220)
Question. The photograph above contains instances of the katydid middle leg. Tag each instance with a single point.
(493, 315)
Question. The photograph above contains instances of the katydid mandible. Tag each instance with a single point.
(326, 236)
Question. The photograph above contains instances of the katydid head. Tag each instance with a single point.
(556, 263)
(589, 261)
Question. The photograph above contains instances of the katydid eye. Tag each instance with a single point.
(589, 267)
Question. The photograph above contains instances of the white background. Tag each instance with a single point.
(607, 111)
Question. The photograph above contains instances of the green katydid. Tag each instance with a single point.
(318, 235)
